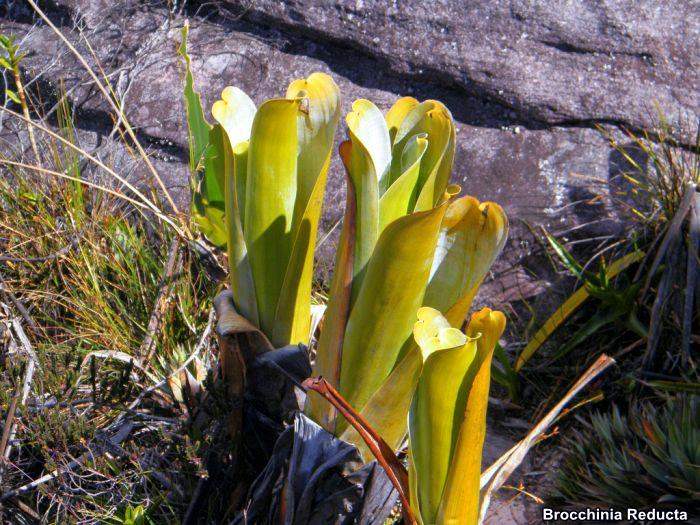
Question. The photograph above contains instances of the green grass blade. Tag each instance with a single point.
(569, 307)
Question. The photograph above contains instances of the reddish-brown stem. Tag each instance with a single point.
(385, 455)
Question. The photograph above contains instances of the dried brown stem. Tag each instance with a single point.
(174, 261)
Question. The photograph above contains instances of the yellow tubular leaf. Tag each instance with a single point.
(240, 275)
(471, 237)
(392, 290)
(460, 499)
(360, 169)
(413, 489)
(387, 408)
(271, 189)
(328, 354)
(435, 120)
(438, 163)
(317, 122)
(435, 415)
(396, 115)
(400, 198)
(235, 112)
(366, 123)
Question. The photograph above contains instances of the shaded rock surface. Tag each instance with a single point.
(551, 60)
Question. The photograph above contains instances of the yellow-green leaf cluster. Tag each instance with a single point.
(397, 197)
(275, 164)
(447, 421)
(406, 242)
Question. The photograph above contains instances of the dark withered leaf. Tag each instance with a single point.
(314, 478)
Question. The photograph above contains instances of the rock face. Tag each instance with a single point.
(526, 82)
(554, 61)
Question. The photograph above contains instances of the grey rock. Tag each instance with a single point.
(555, 61)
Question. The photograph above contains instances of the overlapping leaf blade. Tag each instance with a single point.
(317, 122)
(460, 499)
(433, 411)
(392, 291)
(472, 236)
(447, 421)
(279, 156)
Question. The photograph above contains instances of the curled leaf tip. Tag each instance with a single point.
(433, 332)
(235, 112)
(487, 323)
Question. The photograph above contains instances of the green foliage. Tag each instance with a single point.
(206, 160)
(88, 269)
(137, 515)
(10, 61)
(406, 243)
(617, 301)
(646, 459)
(658, 170)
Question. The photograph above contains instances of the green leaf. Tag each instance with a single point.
(568, 260)
(506, 376)
(594, 324)
(12, 96)
(674, 386)
(271, 184)
(197, 125)
(392, 291)
(317, 122)
(208, 203)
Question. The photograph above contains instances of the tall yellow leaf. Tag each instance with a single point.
(392, 291)
(460, 500)
(271, 188)
(317, 122)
